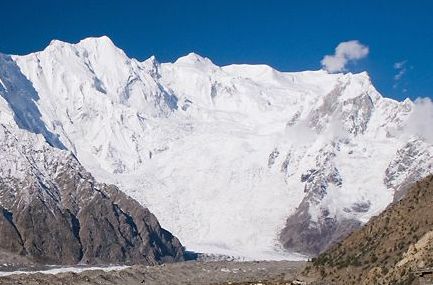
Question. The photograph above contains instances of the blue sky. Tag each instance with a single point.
(288, 35)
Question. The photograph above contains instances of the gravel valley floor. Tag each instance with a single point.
(192, 272)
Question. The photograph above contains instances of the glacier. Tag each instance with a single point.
(223, 156)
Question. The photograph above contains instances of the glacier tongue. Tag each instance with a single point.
(224, 155)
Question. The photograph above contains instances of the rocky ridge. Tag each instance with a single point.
(389, 249)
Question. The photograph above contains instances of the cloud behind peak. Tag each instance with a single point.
(345, 52)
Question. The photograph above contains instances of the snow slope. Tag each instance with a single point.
(52, 210)
(224, 155)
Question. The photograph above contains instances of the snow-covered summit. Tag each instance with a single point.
(102, 42)
(194, 59)
(225, 156)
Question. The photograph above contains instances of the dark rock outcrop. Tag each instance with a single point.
(10, 237)
(52, 211)
(87, 222)
(301, 234)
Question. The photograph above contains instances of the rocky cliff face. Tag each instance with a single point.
(319, 221)
(54, 212)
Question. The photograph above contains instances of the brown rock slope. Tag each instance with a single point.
(52, 211)
(75, 219)
(388, 249)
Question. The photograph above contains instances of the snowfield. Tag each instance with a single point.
(57, 270)
(224, 155)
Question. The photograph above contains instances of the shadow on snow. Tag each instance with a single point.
(21, 96)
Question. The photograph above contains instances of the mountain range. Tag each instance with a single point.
(239, 160)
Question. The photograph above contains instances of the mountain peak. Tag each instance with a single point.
(363, 76)
(91, 44)
(102, 40)
(151, 64)
(194, 59)
(151, 60)
(56, 42)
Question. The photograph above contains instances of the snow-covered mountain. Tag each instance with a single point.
(241, 159)
(51, 209)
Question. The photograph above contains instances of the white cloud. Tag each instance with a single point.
(345, 52)
(400, 64)
(400, 74)
(401, 69)
(420, 121)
